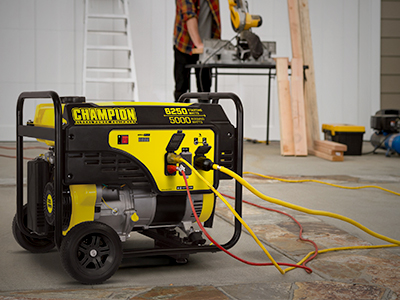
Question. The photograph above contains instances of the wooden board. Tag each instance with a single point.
(285, 108)
(310, 94)
(295, 30)
(326, 156)
(328, 151)
(331, 145)
(298, 108)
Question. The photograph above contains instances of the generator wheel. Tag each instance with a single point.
(34, 245)
(91, 252)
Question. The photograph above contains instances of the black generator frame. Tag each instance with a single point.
(57, 134)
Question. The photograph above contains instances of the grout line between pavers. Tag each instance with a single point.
(225, 293)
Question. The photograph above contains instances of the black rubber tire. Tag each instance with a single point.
(34, 245)
(91, 252)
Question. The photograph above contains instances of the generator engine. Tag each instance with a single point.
(386, 123)
(123, 208)
(108, 174)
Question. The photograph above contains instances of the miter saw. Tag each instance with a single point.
(248, 49)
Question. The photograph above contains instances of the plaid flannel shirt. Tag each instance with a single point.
(186, 9)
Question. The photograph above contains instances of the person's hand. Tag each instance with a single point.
(198, 50)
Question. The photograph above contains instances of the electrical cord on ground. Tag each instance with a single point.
(302, 209)
(236, 215)
(222, 248)
(311, 255)
(25, 148)
(322, 182)
(14, 157)
(315, 253)
(376, 147)
(306, 259)
(254, 141)
(179, 159)
(173, 158)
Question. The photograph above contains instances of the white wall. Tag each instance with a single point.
(41, 48)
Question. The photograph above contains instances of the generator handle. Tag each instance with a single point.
(24, 130)
(215, 97)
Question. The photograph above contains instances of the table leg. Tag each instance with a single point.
(216, 80)
(268, 104)
(190, 75)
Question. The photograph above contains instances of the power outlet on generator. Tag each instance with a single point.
(173, 145)
(186, 155)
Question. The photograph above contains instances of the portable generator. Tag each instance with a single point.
(106, 177)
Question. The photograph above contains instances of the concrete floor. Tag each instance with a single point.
(355, 274)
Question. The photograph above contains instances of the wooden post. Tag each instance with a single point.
(295, 30)
(285, 108)
(310, 94)
(298, 108)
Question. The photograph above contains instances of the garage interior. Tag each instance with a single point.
(355, 69)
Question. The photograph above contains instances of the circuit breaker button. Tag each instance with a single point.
(123, 139)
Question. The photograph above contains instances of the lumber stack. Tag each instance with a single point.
(297, 92)
(291, 107)
(291, 94)
(298, 109)
(329, 150)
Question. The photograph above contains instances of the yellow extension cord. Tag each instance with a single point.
(323, 182)
(395, 243)
(339, 249)
(302, 209)
(235, 213)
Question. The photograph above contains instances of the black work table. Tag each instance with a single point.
(214, 71)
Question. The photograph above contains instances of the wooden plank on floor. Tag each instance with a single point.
(310, 94)
(335, 157)
(328, 151)
(331, 145)
(285, 108)
(298, 108)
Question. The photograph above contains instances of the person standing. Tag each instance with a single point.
(195, 20)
